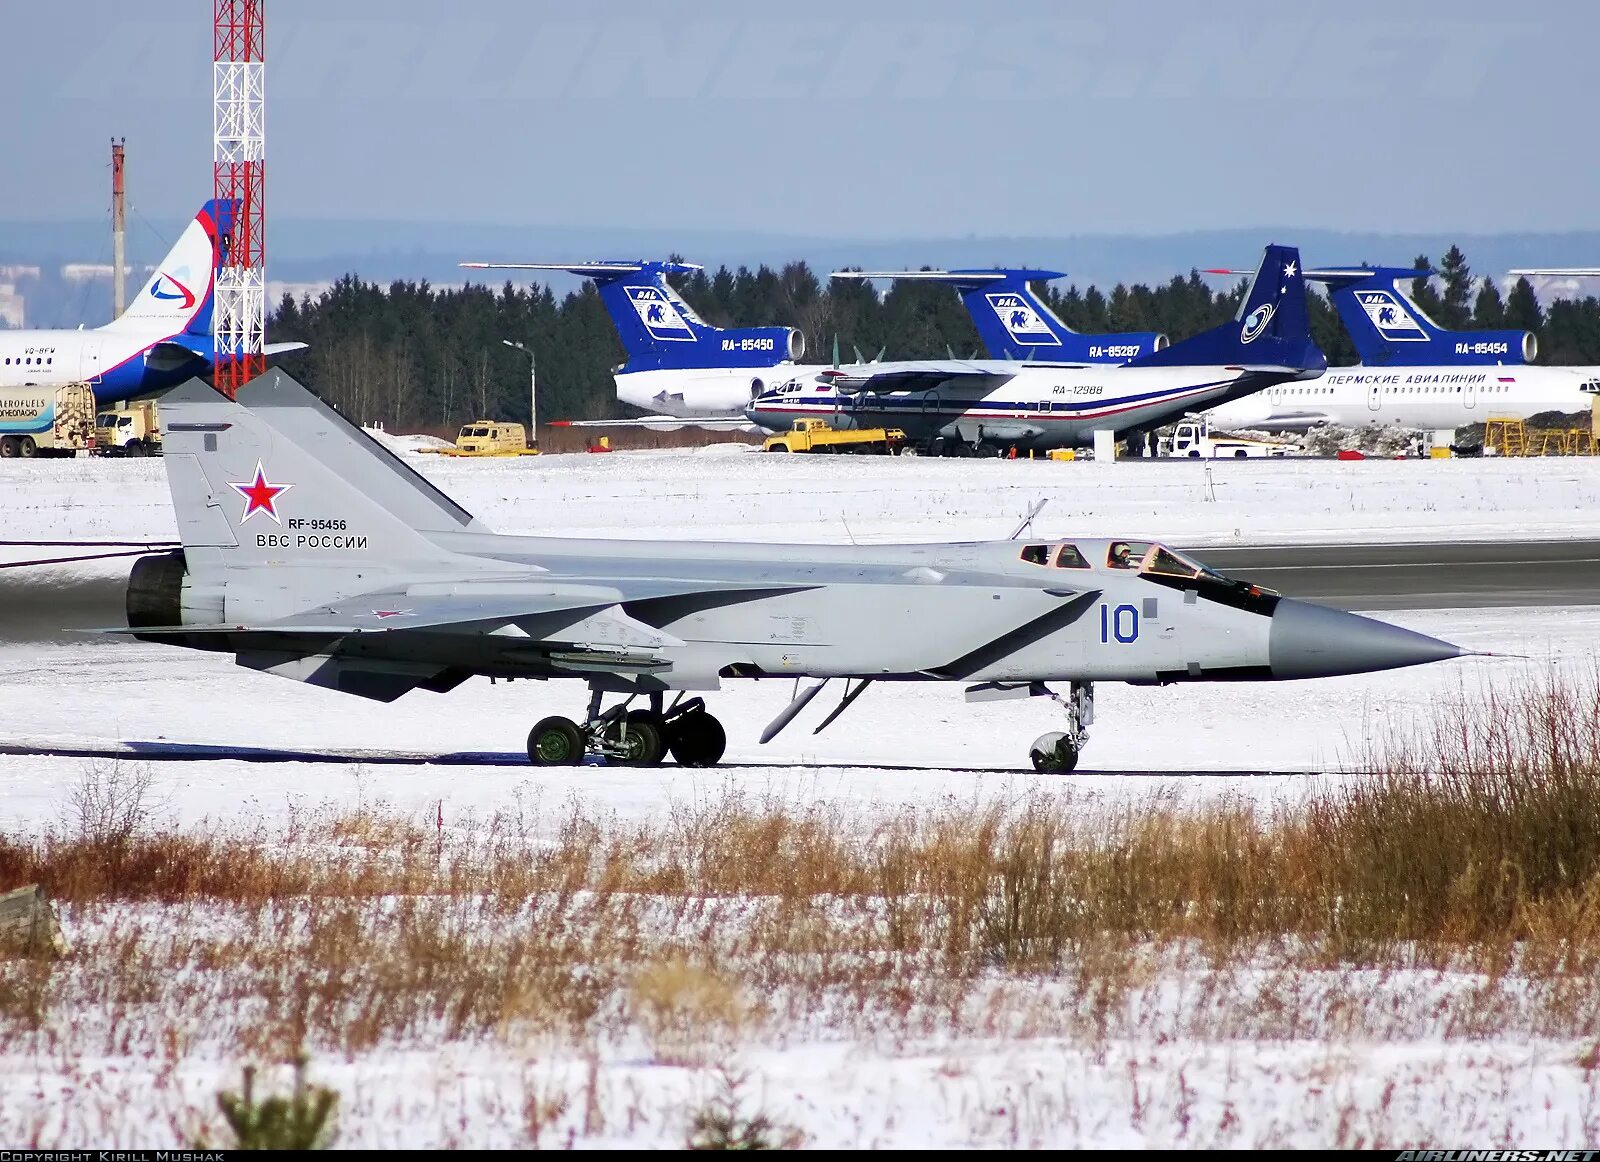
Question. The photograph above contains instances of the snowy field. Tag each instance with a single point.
(65, 689)
(1161, 1080)
(725, 491)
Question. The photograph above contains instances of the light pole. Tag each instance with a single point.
(533, 406)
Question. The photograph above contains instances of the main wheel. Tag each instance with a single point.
(779, 448)
(656, 722)
(555, 742)
(133, 448)
(1054, 753)
(639, 746)
(698, 740)
(8, 447)
(26, 448)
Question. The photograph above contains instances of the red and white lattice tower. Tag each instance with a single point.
(239, 159)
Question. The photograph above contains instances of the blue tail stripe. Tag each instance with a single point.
(1390, 330)
(1272, 327)
(659, 330)
(218, 216)
(1013, 323)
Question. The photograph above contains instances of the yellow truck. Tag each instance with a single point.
(489, 438)
(134, 430)
(812, 435)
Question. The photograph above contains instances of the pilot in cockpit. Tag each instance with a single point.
(1121, 556)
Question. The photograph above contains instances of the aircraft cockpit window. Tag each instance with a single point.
(1127, 554)
(1592, 386)
(1068, 557)
(1168, 563)
(1036, 554)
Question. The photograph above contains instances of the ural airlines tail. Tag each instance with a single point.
(1413, 372)
(162, 339)
(1015, 324)
(987, 405)
(678, 364)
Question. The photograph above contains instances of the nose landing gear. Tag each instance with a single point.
(1057, 753)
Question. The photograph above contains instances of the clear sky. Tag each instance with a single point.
(866, 120)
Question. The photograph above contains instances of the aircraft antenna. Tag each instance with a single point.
(119, 230)
(1027, 521)
(238, 158)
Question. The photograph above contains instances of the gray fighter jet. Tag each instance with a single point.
(312, 552)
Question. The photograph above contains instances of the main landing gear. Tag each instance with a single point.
(1057, 752)
(637, 738)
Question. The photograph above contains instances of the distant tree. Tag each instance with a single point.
(1329, 332)
(1489, 312)
(1522, 308)
(1422, 292)
(1455, 303)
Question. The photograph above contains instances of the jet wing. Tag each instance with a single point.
(473, 607)
(1305, 416)
(916, 375)
(169, 355)
(666, 423)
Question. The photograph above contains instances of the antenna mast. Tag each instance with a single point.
(239, 165)
(119, 231)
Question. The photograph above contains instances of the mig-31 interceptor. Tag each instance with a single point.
(312, 552)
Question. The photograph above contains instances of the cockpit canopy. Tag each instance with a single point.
(1145, 557)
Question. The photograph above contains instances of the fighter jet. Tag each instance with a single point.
(311, 552)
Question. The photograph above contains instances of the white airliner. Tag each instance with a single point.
(162, 339)
(1414, 373)
(1438, 398)
(987, 405)
(695, 373)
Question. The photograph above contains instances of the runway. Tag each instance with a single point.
(1442, 575)
(162, 751)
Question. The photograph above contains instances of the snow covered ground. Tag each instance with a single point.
(895, 747)
(715, 493)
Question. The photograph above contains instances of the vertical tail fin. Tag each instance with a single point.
(1271, 327)
(279, 478)
(1015, 324)
(1389, 329)
(177, 298)
(658, 329)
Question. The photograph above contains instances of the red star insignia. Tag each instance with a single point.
(382, 613)
(260, 496)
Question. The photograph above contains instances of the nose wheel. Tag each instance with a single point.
(638, 738)
(1056, 753)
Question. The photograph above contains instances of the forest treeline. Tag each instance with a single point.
(414, 356)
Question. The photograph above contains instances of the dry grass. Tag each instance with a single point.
(687, 1010)
(1452, 892)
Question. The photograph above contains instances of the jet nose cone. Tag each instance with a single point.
(1313, 641)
